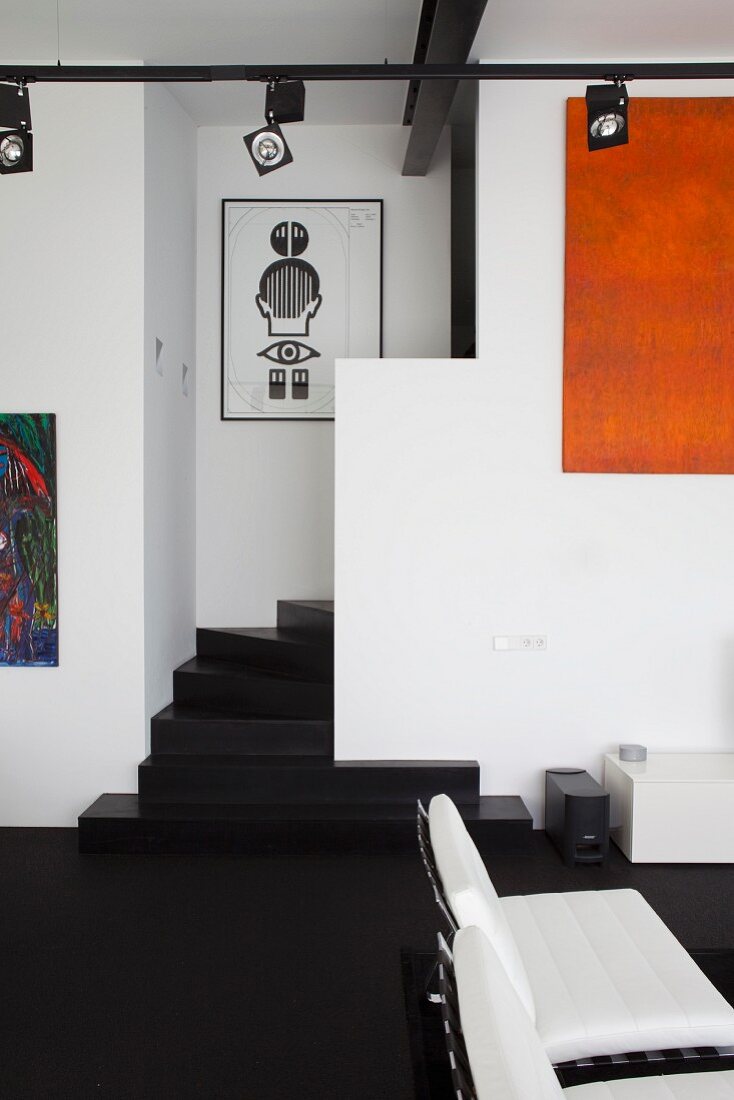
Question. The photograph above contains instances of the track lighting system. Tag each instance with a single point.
(607, 104)
(607, 122)
(284, 102)
(264, 74)
(16, 136)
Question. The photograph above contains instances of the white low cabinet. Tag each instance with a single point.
(673, 807)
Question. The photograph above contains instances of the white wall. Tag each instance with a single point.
(455, 523)
(170, 414)
(265, 491)
(71, 285)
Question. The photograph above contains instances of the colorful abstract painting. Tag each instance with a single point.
(28, 573)
(649, 314)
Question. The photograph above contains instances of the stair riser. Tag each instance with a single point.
(297, 699)
(296, 786)
(311, 660)
(113, 836)
(306, 620)
(242, 738)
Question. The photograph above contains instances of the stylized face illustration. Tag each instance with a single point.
(289, 238)
(289, 297)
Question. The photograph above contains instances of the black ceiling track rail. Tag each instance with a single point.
(631, 70)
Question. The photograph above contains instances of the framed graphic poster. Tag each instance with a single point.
(301, 287)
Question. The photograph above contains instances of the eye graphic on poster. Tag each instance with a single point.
(289, 351)
(302, 283)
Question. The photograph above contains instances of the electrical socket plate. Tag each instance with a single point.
(524, 642)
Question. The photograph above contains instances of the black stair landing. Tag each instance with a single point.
(123, 823)
(310, 779)
(231, 685)
(203, 731)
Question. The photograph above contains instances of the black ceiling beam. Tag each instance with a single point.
(608, 70)
(454, 27)
(425, 27)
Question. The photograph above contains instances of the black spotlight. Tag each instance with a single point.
(16, 151)
(268, 148)
(607, 115)
(16, 139)
(284, 102)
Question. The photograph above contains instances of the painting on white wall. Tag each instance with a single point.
(301, 287)
(28, 547)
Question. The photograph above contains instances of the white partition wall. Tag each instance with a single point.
(169, 392)
(73, 300)
(103, 263)
(454, 523)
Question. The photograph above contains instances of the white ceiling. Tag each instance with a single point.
(591, 30)
(347, 31)
(221, 32)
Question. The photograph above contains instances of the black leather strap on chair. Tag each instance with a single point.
(429, 862)
(644, 1063)
(461, 1075)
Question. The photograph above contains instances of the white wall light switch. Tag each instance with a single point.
(526, 642)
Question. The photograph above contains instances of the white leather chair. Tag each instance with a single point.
(597, 972)
(506, 1058)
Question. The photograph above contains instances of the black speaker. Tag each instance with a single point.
(577, 815)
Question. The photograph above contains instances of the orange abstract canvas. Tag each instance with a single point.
(649, 314)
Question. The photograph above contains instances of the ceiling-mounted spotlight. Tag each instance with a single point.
(16, 151)
(284, 102)
(16, 139)
(607, 114)
(268, 148)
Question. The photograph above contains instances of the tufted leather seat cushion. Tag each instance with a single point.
(608, 976)
(597, 971)
(507, 1059)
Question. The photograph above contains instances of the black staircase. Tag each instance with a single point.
(243, 761)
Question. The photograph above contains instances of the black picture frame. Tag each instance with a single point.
(279, 202)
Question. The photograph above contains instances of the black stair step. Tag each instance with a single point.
(252, 692)
(270, 648)
(241, 779)
(122, 823)
(181, 729)
(314, 618)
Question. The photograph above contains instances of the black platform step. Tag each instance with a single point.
(180, 729)
(308, 779)
(122, 823)
(226, 685)
(314, 618)
(270, 648)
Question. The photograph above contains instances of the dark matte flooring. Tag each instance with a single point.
(139, 977)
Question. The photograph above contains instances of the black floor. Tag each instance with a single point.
(245, 977)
